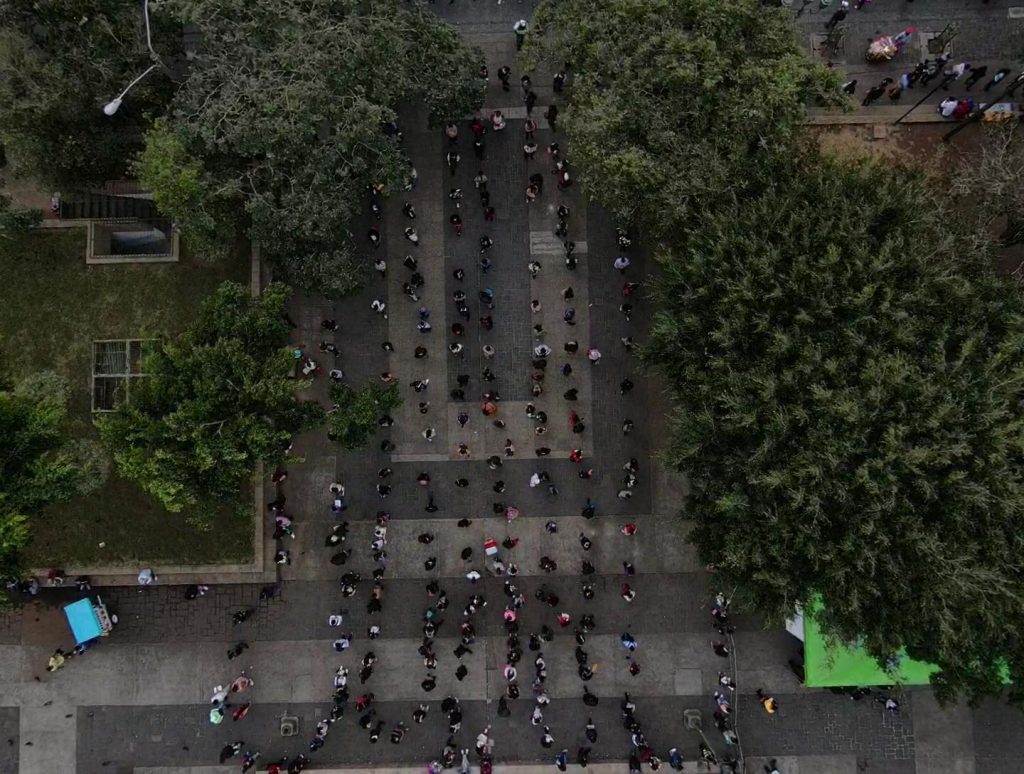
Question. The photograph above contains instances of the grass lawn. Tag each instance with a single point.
(53, 308)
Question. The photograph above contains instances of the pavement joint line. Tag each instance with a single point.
(501, 766)
(409, 457)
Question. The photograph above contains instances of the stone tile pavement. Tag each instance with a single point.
(9, 740)
(988, 35)
(178, 736)
(10, 626)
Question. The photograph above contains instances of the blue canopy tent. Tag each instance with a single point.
(88, 620)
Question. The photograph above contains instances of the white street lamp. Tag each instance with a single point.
(111, 107)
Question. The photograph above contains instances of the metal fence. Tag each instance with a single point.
(115, 364)
(132, 238)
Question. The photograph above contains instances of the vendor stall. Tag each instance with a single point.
(89, 620)
(828, 665)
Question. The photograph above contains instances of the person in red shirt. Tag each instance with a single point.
(962, 109)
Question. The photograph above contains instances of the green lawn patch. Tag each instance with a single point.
(54, 307)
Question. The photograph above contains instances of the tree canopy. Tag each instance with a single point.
(218, 400)
(354, 414)
(61, 61)
(283, 122)
(673, 101)
(849, 375)
(184, 189)
(846, 365)
(284, 112)
(38, 463)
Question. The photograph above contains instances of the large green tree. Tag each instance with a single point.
(61, 61)
(184, 189)
(284, 111)
(675, 103)
(38, 463)
(218, 399)
(353, 416)
(849, 376)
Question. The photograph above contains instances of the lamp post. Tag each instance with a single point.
(111, 107)
(977, 114)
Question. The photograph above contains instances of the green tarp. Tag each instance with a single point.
(826, 666)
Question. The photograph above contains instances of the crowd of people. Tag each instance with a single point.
(938, 69)
(504, 562)
(522, 648)
(927, 71)
(524, 667)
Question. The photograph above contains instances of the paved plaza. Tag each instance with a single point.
(139, 701)
(980, 33)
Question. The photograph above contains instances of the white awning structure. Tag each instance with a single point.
(795, 625)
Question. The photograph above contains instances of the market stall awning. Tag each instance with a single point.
(84, 622)
(828, 665)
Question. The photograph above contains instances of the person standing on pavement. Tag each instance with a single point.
(875, 92)
(551, 116)
(770, 705)
(1000, 74)
(57, 660)
(946, 107)
(977, 73)
(230, 751)
(954, 73)
(520, 28)
(530, 128)
(838, 16)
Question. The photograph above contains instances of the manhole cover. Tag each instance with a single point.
(1016, 12)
